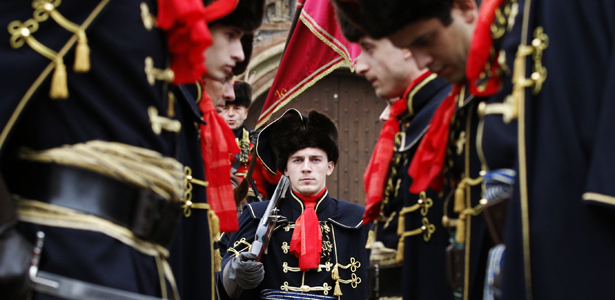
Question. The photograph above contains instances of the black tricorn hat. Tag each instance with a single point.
(293, 132)
(243, 94)
(248, 15)
(247, 41)
(380, 18)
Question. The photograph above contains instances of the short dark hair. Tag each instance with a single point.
(383, 18)
(247, 16)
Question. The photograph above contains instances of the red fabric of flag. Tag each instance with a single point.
(316, 48)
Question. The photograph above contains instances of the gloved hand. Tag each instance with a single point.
(246, 271)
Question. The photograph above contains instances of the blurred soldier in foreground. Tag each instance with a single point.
(317, 247)
(91, 141)
(209, 205)
(549, 120)
(450, 157)
(405, 262)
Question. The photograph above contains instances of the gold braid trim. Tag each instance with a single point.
(43, 9)
(36, 212)
(138, 166)
(242, 241)
(325, 288)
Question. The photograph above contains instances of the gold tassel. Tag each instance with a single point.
(460, 237)
(399, 257)
(335, 274)
(217, 261)
(82, 54)
(171, 108)
(371, 237)
(460, 203)
(338, 290)
(59, 87)
(214, 224)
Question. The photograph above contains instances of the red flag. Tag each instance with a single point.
(316, 47)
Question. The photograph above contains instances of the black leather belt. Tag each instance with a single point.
(384, 281)
(145, 213)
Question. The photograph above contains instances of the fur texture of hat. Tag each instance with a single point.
(383, 18)
(247, 16)
(351, 32)
(247, 40)
(293, 132)
(243, 94)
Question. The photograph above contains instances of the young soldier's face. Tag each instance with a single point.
(225, 52)
(234, 115)
(220, 92)
(442, 49)
(384, 66)
(308, 169)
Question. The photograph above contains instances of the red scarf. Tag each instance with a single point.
(428, 161)
(185, 22)
(482, 55)
(187, 37)
(306, 243)
(377, 170)
(217, 147)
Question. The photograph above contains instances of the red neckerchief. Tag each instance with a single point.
(482, 57)
(187, 37)
(217, 147)
(306, 243)
(377, 170)
(185, 22)
(428, 161)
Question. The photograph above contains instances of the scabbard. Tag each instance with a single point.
(68, 288)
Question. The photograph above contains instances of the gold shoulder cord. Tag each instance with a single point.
(20, 33)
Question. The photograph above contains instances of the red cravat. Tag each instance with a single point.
(377, 171)
(306, 243)
(217, 147)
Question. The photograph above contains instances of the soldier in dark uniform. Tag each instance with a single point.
(451, 156)
(410, 262)
(560, 238)
(235, 113)
(90, 144)
(318, 251)
(195, 256)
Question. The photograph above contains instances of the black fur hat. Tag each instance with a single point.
(243, 94)
(246, 43)
(383, 18)
(247, 16)
(351, 32)
(293, 132)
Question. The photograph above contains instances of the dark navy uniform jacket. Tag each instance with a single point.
(344, 238)
(108, 103)
(560, 235)
(462, 161)
(423, 255)
(191, 253)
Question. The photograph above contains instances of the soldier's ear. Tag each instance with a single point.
(468, 9)
(406, 53)
(330, 167)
